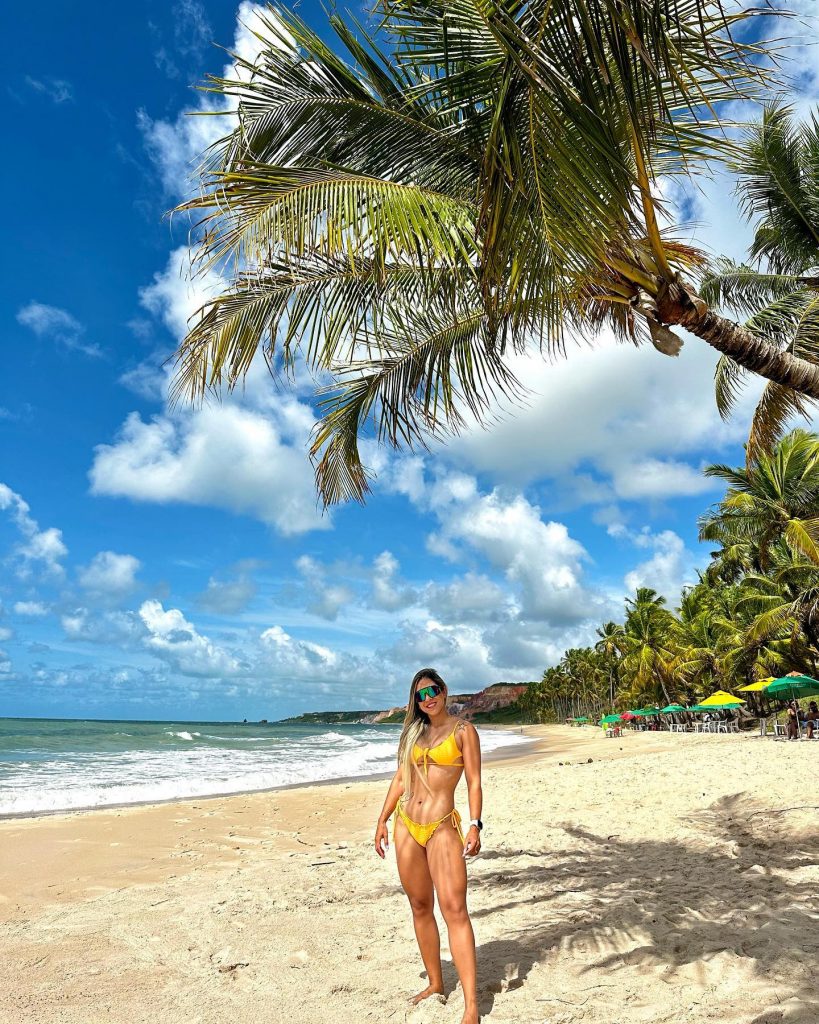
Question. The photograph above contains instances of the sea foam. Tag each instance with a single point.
(94, 764)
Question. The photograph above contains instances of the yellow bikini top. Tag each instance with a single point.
(446, 753)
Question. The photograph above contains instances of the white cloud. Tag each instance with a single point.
(539, 558)
(322, 670)
(110, 574)
(146, 379)
(469, 598)
(460, 652)
(191, 32)
(670, 567)
(661, 479)
(176, 147)
(226, 457)
(388, 593)
(40, 550)
(46, 548)
(58, 325)
(58, 90)
(174, 296)
(175, 640)
(30, 609)
(122, 629)
(227, 597)
(627, 413)
(324, 599)
(523, 649)
(247, 455)
(300, 657)
(5, 663)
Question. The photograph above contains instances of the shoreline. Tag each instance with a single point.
(506, 752)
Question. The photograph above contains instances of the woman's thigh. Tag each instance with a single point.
(445, 856)
(413, 869)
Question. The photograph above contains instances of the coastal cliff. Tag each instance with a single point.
(498, 702)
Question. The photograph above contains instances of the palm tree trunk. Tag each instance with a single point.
(678, 305)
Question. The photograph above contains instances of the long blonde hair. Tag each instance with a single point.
(415, 721)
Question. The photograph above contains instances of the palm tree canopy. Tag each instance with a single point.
(776, 500)
(469, 180)
(778, 184)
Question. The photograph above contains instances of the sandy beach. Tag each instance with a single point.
(653, 878)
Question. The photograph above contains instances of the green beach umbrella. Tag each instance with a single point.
(609, 719)
(793, 687)
(672, 709)
(585, 718)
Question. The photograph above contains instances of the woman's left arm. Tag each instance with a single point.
(471, 751)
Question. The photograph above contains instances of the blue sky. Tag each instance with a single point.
(174, 564)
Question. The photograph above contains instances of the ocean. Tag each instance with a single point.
(62, 764)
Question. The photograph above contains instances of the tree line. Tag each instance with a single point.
(753, 612)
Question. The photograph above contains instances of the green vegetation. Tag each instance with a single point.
(397, 718)
(326, 717)
(471, 181)
(512, 714)
(753, 613)
(777, 171)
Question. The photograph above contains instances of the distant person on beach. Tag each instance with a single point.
(435, 749)
(813, 718)
(793, 720)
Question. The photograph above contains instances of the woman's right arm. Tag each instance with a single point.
(382, 834)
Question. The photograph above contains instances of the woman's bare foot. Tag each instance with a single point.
(470, 1015)
(430, 990)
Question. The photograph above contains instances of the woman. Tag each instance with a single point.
(434, 750)
(813, 718)
(793, 720)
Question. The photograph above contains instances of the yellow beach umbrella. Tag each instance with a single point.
(755, 687)
(720, 699)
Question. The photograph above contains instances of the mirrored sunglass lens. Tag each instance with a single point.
(427, 693)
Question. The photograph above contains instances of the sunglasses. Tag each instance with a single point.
(428, 692)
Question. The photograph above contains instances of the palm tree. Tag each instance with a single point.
(784, 604)
(647, 655)
(775, 499)
(697, 641)
(610, 646)
(406, 219)
(778, 171)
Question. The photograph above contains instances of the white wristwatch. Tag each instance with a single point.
(477, 823)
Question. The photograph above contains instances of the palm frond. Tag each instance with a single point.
(325, 307)
(773, 187)
(775, 409)
(742, 289)
(802, 536)
(439, 367)
(729, 381)
(263, 210)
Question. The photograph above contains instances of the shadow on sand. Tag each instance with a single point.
(668, 907)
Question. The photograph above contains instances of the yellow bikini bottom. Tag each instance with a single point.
(422, 832)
